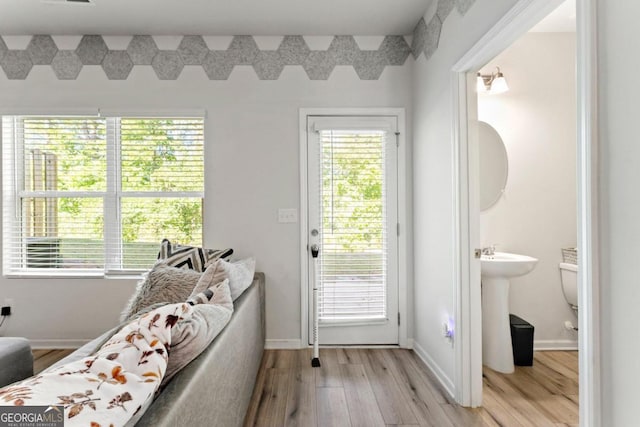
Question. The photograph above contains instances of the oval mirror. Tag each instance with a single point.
(494, 165)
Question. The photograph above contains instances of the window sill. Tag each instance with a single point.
(74, 274)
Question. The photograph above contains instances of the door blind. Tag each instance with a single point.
(353, 230)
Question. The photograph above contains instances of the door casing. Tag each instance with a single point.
(405, 252)
(468, 366)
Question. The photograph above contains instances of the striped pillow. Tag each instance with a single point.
(190, 257)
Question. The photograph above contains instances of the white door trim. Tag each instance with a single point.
(588, 201)
(468, 372)
(403, 218)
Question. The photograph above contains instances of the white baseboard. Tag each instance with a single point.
(297, 344)
(444, 380)
(57, 344)
(282, 344)
(551, 345)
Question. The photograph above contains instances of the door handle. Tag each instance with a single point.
(315, 250)
(314, 232)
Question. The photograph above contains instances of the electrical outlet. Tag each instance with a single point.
(6, 308)
(447, 332)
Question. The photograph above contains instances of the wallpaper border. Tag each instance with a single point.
(142, 50)
(426, 36)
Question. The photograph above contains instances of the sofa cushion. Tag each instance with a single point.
(16, 360)
(211, 312)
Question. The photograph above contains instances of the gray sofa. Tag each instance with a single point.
(215, 389)
(16, 360)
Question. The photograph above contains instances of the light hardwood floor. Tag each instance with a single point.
(392, 387)
(42, 359)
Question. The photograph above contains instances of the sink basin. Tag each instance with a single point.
(496, 270)
(502, 264)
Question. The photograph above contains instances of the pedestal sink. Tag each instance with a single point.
(496, 270)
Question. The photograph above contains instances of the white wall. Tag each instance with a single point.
(252, 169)
(618, 63)
(537, 215)
(618, 207)
(433, 185)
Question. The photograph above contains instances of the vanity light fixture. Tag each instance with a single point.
(492, 83)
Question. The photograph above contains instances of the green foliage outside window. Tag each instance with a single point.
(157, 155)
(352, 193)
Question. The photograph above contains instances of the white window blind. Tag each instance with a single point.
(353, 234)
(98, 194)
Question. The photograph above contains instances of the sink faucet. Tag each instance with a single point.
(489, 250)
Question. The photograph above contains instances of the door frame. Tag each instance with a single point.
(404, 241)
(468, 360)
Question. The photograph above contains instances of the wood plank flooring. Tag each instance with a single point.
(42, 359)
(392, 387)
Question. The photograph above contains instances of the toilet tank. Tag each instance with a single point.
(569, 278)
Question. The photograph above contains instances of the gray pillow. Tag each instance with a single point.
(190, 337)
(162, 283)
(239, 273)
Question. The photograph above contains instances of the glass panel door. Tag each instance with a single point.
(352, 197)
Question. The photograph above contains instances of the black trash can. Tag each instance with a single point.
(521, 341)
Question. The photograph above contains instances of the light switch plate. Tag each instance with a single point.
(287, 215)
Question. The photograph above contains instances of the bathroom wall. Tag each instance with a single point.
(537, 214)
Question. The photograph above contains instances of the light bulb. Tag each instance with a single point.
(480, 87)
(499, 84)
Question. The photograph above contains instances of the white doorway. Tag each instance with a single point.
(351, 212)
(468, 314)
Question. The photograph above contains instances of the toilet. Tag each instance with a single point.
(569, 279)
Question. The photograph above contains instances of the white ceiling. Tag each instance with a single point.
(561, 20)
(212, 17)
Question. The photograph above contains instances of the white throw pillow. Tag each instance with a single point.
(239, 273)
(192, 336)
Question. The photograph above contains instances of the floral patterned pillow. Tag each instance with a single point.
(114, 385)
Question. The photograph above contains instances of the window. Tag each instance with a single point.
(95, 194)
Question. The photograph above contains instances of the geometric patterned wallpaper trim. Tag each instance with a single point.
(218, 64)
(426, 36)
(193, 50)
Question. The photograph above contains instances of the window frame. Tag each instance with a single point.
(13, 192)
